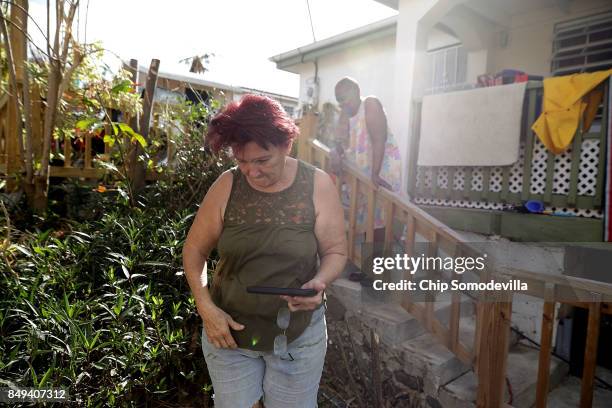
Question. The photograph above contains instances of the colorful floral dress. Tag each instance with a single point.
(360, 152)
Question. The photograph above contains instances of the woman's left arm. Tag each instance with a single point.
(331, 240)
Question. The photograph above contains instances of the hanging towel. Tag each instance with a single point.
(477, 127)
(566, 100)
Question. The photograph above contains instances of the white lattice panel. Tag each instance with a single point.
(477, 179)
(587, 178)
(443, 178)
(587, 175)
(561, 175)
(496, 179)
(460, 203)
(515, 180)
(538, 168)
(459, 179)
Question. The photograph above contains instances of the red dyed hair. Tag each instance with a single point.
(254, 118)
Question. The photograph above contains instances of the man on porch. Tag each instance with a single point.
(363, 137)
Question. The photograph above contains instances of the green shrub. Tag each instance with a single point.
(104, 311)
(102, 307)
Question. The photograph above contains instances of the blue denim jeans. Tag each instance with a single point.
(240, 377)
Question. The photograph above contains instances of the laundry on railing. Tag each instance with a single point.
(477, 127)
(505, 77)
(567, 100)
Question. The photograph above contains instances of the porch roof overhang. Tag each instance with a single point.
(394, 4)
(288, 60)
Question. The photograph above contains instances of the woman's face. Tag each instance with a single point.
(262, 167)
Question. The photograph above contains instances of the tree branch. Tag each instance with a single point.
(68, 35)
(56, 82)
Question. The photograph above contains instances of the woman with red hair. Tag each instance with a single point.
(276, 222)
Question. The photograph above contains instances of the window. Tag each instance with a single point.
(447, 69)
(582, 45)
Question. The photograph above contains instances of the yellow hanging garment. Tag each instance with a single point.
(566, 100)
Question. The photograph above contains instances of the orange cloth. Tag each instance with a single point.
(566, 100)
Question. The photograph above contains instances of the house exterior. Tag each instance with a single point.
(435, 46)
(443, 46)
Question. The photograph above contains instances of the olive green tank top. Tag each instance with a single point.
(267, 240)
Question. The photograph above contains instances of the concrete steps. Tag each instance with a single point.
(521, 375)
(390, 320)
(443, 378)
(424, 357)
(567, 395)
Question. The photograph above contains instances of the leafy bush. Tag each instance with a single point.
(104, 311)
(102, 307)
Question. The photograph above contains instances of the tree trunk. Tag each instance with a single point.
(131, 157)
(138, 182)
(57, 81)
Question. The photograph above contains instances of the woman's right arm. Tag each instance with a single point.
(201, 239)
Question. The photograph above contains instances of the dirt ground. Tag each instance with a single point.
(349, 376)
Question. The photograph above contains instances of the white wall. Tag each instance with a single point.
(393, 68)
(440, 39)
(411, 47)
(371, 64)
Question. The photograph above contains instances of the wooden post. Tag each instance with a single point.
(409, 239)
(414, 149)
(88, 152)
(455, 312)
(353, 217)
(17, 43)
(389, 215)
(430, 299)
(590, 355)
(548, 318)
(370, 220)
(308, 128)
(492, 354)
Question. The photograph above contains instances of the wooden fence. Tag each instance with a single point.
(70, 162)
(488, 352)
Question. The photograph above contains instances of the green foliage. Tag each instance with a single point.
(103, 310)
(192, 168)
(102, 307)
